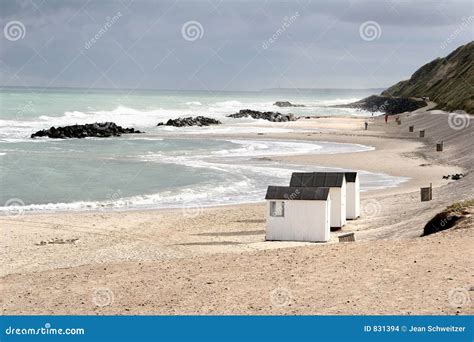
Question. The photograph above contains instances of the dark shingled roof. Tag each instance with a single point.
(351, 177)
(297, 193)
(317, 179)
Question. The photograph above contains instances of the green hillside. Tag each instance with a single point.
(448, 81)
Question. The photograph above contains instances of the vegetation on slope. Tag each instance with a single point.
(448, 81)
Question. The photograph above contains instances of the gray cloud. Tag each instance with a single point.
(144, 47)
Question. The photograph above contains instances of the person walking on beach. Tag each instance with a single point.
(386, 118)
(366, 124)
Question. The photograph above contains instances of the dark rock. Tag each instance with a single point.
(456, 176)
(102, 130)
(270, 116)
(440, 222)
(386, 104)
(190, 121)
(286, 104)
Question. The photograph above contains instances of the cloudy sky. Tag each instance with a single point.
(225, 45)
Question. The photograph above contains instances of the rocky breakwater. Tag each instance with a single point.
(101, 130)
(270, 116)
(386, 104)
(287, 104)
(190, 121)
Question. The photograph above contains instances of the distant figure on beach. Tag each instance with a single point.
(386, 118)
(366, 124)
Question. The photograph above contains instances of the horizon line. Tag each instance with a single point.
(184, 90)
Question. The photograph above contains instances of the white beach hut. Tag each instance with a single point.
(298, 214)
(336, 182)
(353, 195)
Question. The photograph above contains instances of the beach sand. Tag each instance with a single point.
(215, 260)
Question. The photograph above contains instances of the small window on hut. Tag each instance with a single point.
(277, 208)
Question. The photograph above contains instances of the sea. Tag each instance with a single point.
(166, 167)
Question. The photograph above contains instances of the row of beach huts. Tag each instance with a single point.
(312, 205)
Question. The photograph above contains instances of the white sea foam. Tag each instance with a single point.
(246, 178)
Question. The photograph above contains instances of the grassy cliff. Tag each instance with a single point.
(448, 81)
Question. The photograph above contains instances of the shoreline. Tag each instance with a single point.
(222, 249)
(97, 206)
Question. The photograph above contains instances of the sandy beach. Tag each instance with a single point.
(214, 260)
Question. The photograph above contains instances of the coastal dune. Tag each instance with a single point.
(215, 260)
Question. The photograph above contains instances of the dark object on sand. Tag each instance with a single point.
(456, 176)
(270, 116)
(426, 193)
(286, 104)
(349, 237)
(101, 130)
(386, 104)
(439, 222)
(190, 121)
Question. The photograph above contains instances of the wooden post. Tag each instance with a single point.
(427, 193)
(422, 134)
(349, 237)
(411, 128)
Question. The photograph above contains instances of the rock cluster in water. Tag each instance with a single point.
(101, 130)
(190, 121)
(286, 104)
(270, 116)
